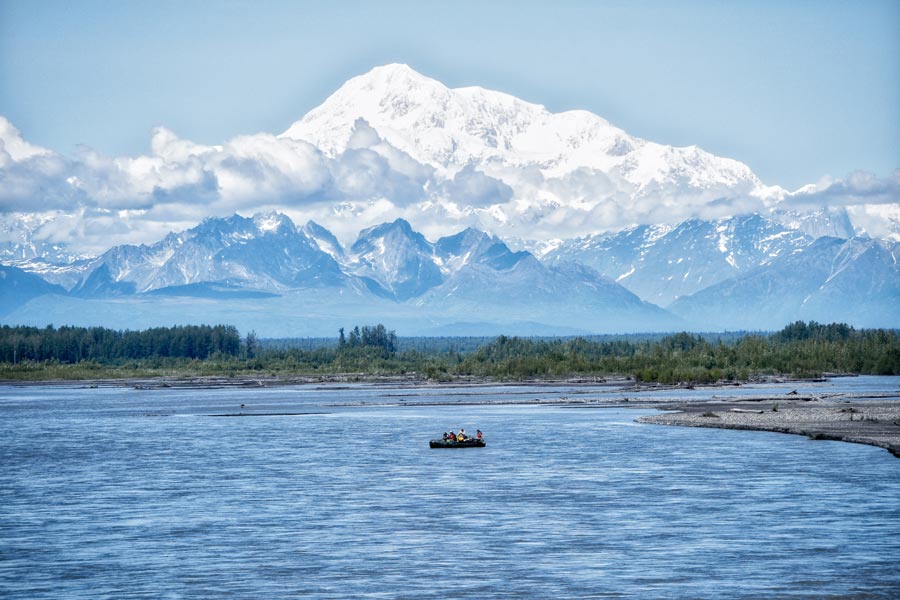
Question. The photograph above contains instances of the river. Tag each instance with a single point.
(333, 492)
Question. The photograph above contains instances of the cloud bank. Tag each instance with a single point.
(97, 201)
(860, 187)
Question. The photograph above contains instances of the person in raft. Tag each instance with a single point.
(461, 436)
(445, 436)
(478, 434)
(452, 436)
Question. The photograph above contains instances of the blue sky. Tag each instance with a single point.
(797, 90)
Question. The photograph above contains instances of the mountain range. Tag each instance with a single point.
(601, 231)
(662, 263)
(855, 281)
(264, 272)
(266, 256)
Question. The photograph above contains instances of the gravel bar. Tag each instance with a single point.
(876, 423)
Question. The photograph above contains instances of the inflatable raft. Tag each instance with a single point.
(467, 443)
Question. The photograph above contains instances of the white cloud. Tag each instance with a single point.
(877, 220)
(109, 200)
(166, 145)
(13, 146)
(471, 187)
(181, 181)
(860, 187)
(38, 183)
(872, 202)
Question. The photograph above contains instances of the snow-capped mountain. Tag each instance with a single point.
(467, 276)
(265, 252)
(472, 247)
(451, 128)
(20, 241)
(266, 272)
(395, 261)
(324, 239)
(661, 263)
(580, 159)
(855, 281)
(472, 273)
(24, 243)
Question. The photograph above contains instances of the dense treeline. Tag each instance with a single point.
(443, 344)
(800, 349)
(75, 344)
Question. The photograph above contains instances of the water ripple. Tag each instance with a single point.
(99, 501)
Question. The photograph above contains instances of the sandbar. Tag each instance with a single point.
(872, 422)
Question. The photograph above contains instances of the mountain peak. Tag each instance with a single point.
(504, 136)
(272, 222)
(324, 239)
(398, 229)
(263, 252)
(462, 242)
(386, 80)
(395, 261)
(393, 72)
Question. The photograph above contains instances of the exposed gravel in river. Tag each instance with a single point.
(876, 423)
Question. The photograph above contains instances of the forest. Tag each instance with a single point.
(76, 344)
(801, 349)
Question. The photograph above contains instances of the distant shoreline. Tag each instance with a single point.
(409, 380)
(337, 379)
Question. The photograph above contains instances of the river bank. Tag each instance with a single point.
(874, 422)
(211, 381)
(332, 381)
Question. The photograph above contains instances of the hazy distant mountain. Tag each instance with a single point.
(661, 263)
(825, 222)
(18, 287)
(504, 285)
(855, 281)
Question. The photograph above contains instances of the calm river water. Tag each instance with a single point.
(125, 493)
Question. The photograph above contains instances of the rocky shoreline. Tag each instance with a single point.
(872, 422)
